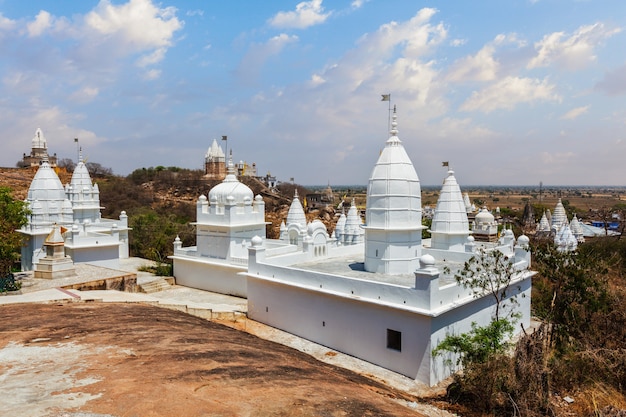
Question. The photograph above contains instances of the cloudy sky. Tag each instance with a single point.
(509, 92)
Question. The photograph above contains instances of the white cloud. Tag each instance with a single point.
(85, 94)
(357, 4)
(463, 130)
(483, 66)
(258, 54)
(458, 42)
(571, 52)
(42, 22)
(197, 12)
(508, 92)
(479, 67)
(134, 27)
(153, 58)
(557, 158)
(152, 74)
(307, 13)
(574, 113)
(614, 82)
(6, 23)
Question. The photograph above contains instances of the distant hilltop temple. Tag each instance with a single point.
(215, 167)
(215, 162)
(39, 151)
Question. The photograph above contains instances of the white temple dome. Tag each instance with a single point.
(296, 212)
(450, 214)
(484, 216)
(231, 187)
(46, 185)
(81, 179)
(393, 193)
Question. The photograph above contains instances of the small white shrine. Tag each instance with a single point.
(56, 264)
(384, 296)
(225, 224)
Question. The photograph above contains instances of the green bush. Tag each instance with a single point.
(8, 283)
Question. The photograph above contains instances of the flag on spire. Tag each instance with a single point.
(386, 97)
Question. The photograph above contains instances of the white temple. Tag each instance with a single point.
(567, 235)
(215, 162)
(38, 152)
(225, 226)
(75, 207)
(384, 296)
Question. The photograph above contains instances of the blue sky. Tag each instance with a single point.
(509, 92)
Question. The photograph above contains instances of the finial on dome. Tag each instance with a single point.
(394, 123)
(230, 167)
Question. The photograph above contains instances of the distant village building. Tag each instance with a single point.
(75, 207)
(246, 170)
(321, 199)
(39, 151)
(270, 181)
(215, 162)
(375, 290)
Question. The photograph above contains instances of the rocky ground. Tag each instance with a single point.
(97, 359)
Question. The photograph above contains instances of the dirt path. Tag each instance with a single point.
(137, 360)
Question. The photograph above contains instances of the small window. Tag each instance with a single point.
(394, 340)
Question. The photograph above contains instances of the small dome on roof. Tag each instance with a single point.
(257, 241)
(230, 190)
(523, 240)
(484, 216)
(427, 261)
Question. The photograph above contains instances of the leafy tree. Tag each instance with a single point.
(490, 273)
(479, 344)
(67, 163)
(426, 222)
(14, 215)
(97, 170)
(153, 234)
(482, 350)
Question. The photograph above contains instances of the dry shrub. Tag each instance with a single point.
(484, 386)
(590, 368)
(599, 400)
(531, 390)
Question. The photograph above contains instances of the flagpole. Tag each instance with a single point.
(225, 139)
(387, 97)
(389, 115)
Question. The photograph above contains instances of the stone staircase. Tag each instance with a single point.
(157, 285)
